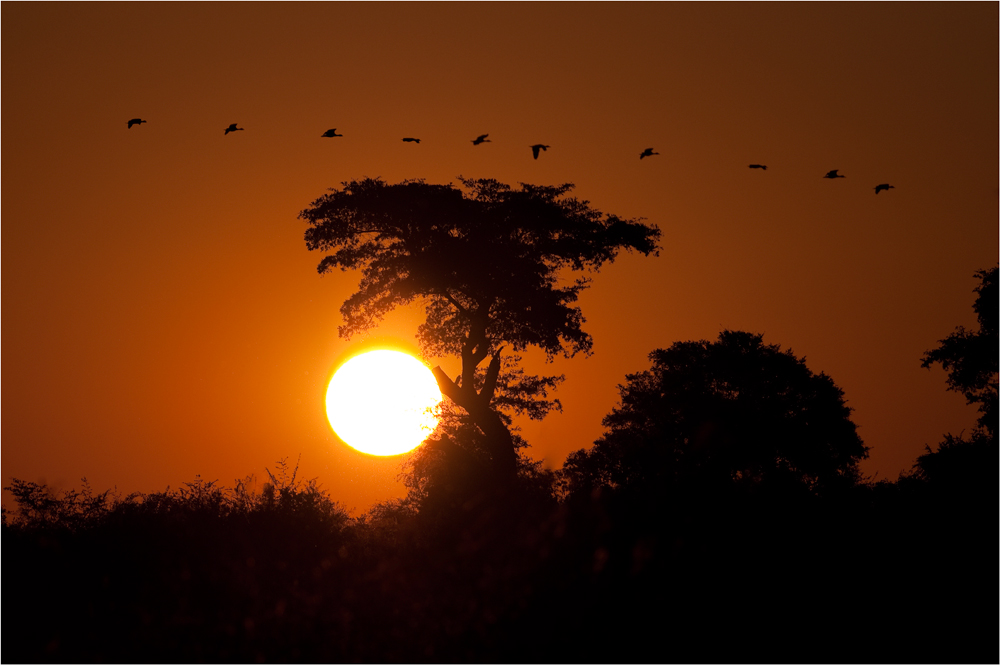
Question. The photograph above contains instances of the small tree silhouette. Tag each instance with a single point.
(971, 358)
(968, 464)
(489, 264)
(711, 414)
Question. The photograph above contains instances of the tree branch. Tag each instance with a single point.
(451, 390)
(490, 384)
(461, 310)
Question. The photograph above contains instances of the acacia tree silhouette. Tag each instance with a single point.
(710, 414)
(489, 263)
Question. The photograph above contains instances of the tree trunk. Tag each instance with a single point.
(499, 441)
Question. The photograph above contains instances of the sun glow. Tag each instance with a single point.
(383, 402)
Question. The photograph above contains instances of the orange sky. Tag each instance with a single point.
(162, 317)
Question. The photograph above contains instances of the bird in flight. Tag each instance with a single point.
(481, 139)
(648, 152)
(538, 147)
(135, 121)
(330, 133)
(762, 167)
(879, 188)
(409, 140)
(834, 174)
(233, 128)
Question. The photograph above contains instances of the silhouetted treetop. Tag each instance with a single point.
(491, 263)
(489, 251)
(731, 411)
(971, 358)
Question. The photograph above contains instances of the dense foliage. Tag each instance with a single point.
(490, 256)
(972, 357)
(963, 462)
(718, 414)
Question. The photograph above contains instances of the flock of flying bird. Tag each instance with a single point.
(535, 149)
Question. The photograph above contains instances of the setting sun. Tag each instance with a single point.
(383, 402)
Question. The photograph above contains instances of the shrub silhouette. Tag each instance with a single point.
(280, 573)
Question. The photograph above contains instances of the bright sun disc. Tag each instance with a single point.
(383, 402)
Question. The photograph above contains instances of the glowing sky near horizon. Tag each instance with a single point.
(162, 268)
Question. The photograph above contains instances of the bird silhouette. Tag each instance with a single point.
(879, 188)
(330, 133)
(233, 128)
(834, 174)
(538, 147)
(135, 121)
(648, 152)
(481, 139)
(762, 167)
(409, 140)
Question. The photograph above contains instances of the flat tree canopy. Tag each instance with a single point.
(492, 264)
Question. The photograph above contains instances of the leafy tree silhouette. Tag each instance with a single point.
(967, 465)
(489, 262)
(971, 358)
(716, 414)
